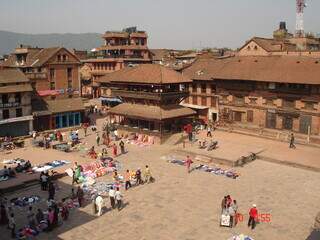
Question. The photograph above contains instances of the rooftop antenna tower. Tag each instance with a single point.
(301, 5)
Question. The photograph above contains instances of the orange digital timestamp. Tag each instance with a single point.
(262, 217)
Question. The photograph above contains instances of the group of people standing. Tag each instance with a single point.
(230, 207)
(115, 197)
(135, 176)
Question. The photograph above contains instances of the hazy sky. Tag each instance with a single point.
(169, 23)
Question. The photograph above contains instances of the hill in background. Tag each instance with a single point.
(80, 41)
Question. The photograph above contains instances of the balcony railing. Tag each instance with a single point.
(36, 75)
(9, 105)
(148, 95)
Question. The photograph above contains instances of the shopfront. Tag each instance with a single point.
(69, 119)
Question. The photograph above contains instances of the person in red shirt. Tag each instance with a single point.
(188, 163)
(253, 215)
(229, 201)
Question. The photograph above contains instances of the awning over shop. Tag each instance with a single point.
(194, 106)
(17, 119)
(110, 99)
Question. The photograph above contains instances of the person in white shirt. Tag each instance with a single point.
(112, 194)
(232, 215)
(99, 204)
(118, 197)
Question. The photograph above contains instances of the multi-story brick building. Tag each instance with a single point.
(276, 92)
(120, 49)
(51, 71)
(203, 97)
(15, 103)
(54, 75)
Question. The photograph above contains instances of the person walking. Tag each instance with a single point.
(112, 194)
(147, 174)
(85, 128)
(234, 205)
(232, 215)
(292, 145)
(52, 191)
(121, 144)
(80, 195)
(44, 181)
(50, 219)
(99, 204)
(31, 218)
(127, 179)
(188, 163)
(114, 150)
(118, 197)
(229, 201)
(223, 203)
(138, 176)
(39, 216)
(98, 139)
(12, 225)
(3, 215)
(209, 131)
(253, 215)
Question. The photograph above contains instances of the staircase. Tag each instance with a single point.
(174, 139)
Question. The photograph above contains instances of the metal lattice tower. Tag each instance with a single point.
(301, 4)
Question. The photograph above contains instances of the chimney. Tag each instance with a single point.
(282, 26)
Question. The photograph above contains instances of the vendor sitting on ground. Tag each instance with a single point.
(12, 173)
(104, 153)
(115, 175)
(92, 153)
(27, 166)
(7, 172)
(19, 168)
(4, 172)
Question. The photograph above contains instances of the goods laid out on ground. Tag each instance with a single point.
(241, 237)
(14, 161)
(25, 201)
(93, 170)
(215, 170)
(225, 220)
(64, 147)
(49, 165)
(141, 140)
(99, 188)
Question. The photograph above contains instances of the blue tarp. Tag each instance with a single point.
(110, 99)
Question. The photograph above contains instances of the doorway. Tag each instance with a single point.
(287, 123)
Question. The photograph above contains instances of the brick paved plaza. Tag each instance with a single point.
(187, 206)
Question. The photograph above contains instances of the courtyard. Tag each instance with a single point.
(179, 205)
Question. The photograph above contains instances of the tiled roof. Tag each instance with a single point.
(159, 54)
(65, 105)
(36, 57)
(44, 55)
(12, 76)
(282, 69)
(16, 88)
(145, 73)
(123, 47)
(151, 112)
(272, 45)
(41, 106)
(11, 61)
